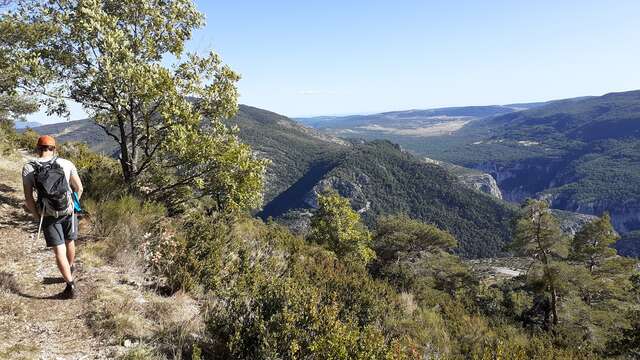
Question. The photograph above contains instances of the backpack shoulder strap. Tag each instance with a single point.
(36, 164)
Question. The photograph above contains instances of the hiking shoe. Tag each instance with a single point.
(73, 269)
(69, 292)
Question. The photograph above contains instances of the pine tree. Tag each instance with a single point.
(538, 235)
(592, 244)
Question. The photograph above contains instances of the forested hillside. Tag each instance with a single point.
(378, 178)
(381, 179)
(582, 154)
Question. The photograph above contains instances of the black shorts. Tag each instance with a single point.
(57, 230)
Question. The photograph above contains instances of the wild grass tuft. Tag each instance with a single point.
(8, 283)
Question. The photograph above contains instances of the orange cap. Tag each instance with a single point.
(46, 140)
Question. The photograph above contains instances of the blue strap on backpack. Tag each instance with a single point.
(76, 203)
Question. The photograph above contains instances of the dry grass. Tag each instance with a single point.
(8, 283)
(20, 351)
(126, 311)
(142, 352)
(420, 131)
(116, 314)
(10, 168)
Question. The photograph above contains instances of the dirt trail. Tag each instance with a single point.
(34, 324)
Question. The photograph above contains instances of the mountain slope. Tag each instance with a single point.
(581, 154)
(378, 177)
(291, 147)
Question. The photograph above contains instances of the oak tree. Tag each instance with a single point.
(111, 56)
(337, 226)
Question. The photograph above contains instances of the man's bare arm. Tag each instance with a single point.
(76, 184)
(29, 201)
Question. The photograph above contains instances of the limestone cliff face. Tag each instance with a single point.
(474, 179)
(482, 182)
(351, 190)
(624, 217)
(534, 179)
(519, 180)
(571, 222)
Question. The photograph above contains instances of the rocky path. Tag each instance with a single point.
(34, 323)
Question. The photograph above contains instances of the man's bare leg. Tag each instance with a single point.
(71, 252)
(62, 262)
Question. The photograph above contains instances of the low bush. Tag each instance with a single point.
(123, 228)
(115, 315)
(26, 140)
(101, 175)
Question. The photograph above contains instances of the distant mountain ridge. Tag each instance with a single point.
(26, 124)
(350, 121)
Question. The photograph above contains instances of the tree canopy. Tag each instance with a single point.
(110, 57)
(338, 227)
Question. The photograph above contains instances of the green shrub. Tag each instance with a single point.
(101, 175)
(26, 140)
(282, 318)
(123, 228)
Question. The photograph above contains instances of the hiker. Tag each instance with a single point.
(54, 179)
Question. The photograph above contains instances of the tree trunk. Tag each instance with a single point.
(127, 163)
(554, 303)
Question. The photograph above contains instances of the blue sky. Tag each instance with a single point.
(302, 58)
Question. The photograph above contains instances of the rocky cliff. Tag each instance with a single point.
(471, 178)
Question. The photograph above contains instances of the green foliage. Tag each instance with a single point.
(412, 256)
(399, 233)
(27, 140)
(271, 295)
(336, 226)
(284, 318)
(101, 176)
(123, 228)
(592, 244)
(13, 108)
(393, 181)
(206, 252)
(107, 56)
(538, 235)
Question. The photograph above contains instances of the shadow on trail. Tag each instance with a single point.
(57, 296)
(50, 280)
(7, 196)
(8, 281)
